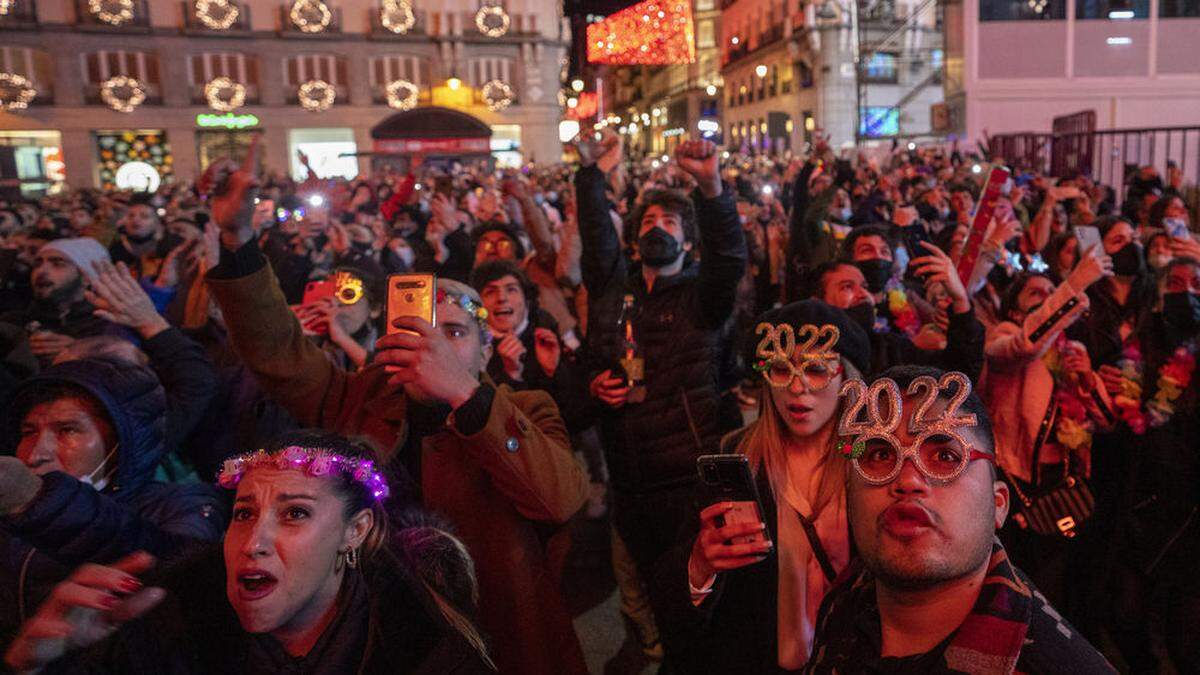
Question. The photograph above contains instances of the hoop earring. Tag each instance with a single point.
(351, 557)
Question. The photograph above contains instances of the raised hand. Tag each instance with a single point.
(548, 349)
(511, 351)
(422, 361)
(937, 267)
(83, 610)
(1092, 267)
(701, 161)
(713, 550)
(233, 191)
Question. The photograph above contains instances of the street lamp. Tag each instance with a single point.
(711, 90)
(454, 83)
(577, 84)
(760, 70)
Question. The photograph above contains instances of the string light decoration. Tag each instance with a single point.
(310, 16)
(492, 20)
(652, 33)
(112, 12)
(497, 94)
(397, 16)
(224, 95)
(317, 95)
(16, 92)
(122, 93)
(6, 7)
(402, 94)
(217, 14)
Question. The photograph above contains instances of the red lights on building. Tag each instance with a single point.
(652, 33)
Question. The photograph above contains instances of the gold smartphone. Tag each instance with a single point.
(411, 295)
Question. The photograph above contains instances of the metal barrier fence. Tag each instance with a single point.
(1107, 156)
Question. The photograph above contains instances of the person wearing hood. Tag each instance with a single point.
(87, 437)
(1158, 531)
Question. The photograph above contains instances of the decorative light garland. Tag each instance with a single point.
(397, 16)
(16, 92)
(224, 95)
(497, 13)
(402, 94)
(497, 94)
(112, 12)
(317, 95)
(6, 7)
(133, 96)
(310, 16)
(223, 18)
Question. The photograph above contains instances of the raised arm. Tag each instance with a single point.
(601, 260)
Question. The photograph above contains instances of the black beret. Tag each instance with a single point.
(853, 342)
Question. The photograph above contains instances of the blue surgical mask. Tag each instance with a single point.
(100, 477)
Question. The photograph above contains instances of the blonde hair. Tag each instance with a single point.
(763, 444)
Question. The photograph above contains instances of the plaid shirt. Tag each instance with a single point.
(1011, 629)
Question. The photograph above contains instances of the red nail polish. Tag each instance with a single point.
(110, 601)
(130, 584)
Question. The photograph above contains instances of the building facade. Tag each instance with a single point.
(789, 69)
(336, 56)
(1015, 65)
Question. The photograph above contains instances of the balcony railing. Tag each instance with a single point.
(85, 19)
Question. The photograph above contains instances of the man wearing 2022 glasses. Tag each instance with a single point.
(935, 591)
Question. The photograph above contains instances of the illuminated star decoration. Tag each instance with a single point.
(216, 14)
(652, 33)
(122, 93)
(402, 94)
(397, 16)
(492, 20)
(317, 95)
(310, 16)
(224, 95)
(497, 94)
(112, 12)
(16, 92)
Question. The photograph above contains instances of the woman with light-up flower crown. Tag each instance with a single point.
(309, 580)
(751, 607)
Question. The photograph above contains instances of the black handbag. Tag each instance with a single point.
(1054, 510)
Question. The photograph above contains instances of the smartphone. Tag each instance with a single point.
(316, 291)
(1088, 237)
(727, 478)
(411, 295)
(914, 234)
(1177, 228)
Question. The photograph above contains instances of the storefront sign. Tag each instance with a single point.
(137, 176)
(445, 146)
(226, 121)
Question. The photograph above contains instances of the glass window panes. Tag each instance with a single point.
(1178, 8)
(1022, 10)
(1112, 9)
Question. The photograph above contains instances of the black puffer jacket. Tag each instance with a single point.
(69, 523)
(653, 445)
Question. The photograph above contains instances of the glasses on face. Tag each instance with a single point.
(502, 246)
(939, 455)
(816, 374)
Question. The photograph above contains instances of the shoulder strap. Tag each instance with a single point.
(814, 542)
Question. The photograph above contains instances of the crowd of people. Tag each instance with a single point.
(960, 412)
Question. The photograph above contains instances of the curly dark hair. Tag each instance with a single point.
(671, 201)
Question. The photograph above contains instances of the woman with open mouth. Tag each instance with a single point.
(309, 580)
(744, 595)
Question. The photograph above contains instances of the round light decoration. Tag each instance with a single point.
(317, 95)
(497, 94)
(492, 20)
(122, 93)
(224, 95)
(310, 16)
(16, 92)
(112, 12)
(5, 7)
(137, 176)
(216, 14)
(397, 16)
(402, 94)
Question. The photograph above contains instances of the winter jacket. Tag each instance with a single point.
(385, 623)
(69, 522)
(500, 470)
(188, 379)
(653, 445)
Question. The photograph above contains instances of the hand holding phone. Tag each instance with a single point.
(732, 532)
(411, 295)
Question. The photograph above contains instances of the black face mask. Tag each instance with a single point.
(1128, 262)
(658, 248)
(139, 240)
(1182, 311)
(876, 271)
(863, 314)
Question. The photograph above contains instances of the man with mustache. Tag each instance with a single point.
(935, 592)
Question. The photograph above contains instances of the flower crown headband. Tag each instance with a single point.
(471, 307)
(312, 461)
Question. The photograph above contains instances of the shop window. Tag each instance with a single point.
(704, 34)
(114, 149)
(1022, 10)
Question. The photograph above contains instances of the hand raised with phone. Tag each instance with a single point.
(714, 549)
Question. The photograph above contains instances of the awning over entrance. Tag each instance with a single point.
(431, 130)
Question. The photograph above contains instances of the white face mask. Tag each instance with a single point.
(100, 477)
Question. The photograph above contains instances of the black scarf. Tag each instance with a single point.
(340, 648)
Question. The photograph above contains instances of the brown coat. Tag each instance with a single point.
(493, 496)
